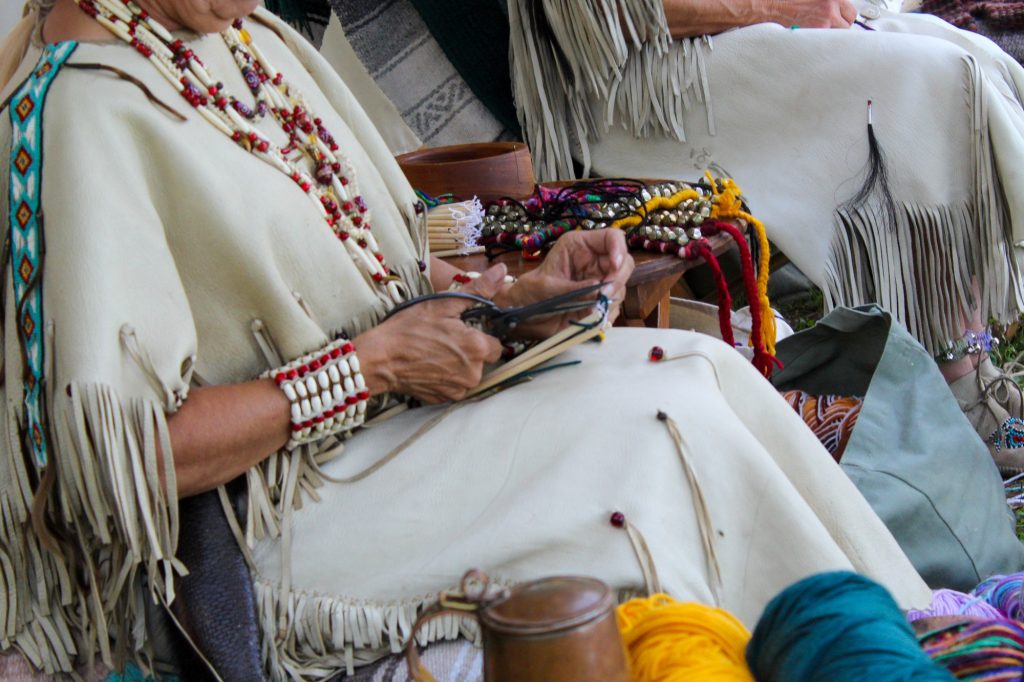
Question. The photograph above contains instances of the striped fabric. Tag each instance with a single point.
(407, 63)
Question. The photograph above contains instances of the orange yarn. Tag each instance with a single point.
(671, 641)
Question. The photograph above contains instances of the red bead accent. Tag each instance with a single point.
(278, 79)
(347, 206)
(344, 182)
(303, 370)
(362, 243)
(357, 221)
(343, 236)
(307, 424)
(364, 395)
(305, 186)
(293, 374)
(314, 365)
(296, 428)
(253, 137)
(348, 348)
(318, 419)
(618, 519)
(221, 102)
(351, 400)
(656, 354)
(335, 353)
(377, 277)
(333, 147)
(280, 378)
(263, 146)
(379, 257)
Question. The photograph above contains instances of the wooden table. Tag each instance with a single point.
(647, 292)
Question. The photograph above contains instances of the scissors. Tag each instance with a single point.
(500, 322)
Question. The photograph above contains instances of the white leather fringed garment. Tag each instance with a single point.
(784, 112)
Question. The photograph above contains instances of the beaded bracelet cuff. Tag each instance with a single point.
(326, 390)
(973, 343)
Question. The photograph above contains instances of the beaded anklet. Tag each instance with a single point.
(973, 343)
(326, 390)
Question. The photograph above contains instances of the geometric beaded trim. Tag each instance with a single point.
(26, 234)
(1009, 435)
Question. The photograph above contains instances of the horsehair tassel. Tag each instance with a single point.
(702, 248)
(729, 206)
(877, 179)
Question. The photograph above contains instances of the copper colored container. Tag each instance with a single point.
(490, 170)
(559, 629)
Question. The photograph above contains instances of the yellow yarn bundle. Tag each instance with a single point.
(671, 641)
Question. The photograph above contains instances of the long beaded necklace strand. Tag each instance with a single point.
(332, 187)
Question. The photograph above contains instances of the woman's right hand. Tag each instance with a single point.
(426, 351)
(812, 13)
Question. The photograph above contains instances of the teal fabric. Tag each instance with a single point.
(474, 35)
(913, 454)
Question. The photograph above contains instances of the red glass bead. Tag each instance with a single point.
(307, 424)
(253, 137)
(344, 182)
(296, 428)
(379, 257)
(351, 400)
(263, 146)
(343, 235)
(314, 365)
(656, 354)
(280, 378)
(305, 186)
(293, 374)
(357, 221)
(278, 79)
(336, 353)
(336, 167)
(347, 206)
(348, 348)
(618, 519)
(318, 419)
(324, 359)
(303, 369)
(362, 243)
(364, 395)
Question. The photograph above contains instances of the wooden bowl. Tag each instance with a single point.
(489, 170)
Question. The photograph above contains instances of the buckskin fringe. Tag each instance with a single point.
(66, 608)
(922, 270)
(580, 65)
(322, 635)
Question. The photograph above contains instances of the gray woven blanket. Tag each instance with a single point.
(410, 67)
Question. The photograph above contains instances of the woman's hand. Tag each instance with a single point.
(426, 351)
(688, 18)
(812, 13)
(578, 259)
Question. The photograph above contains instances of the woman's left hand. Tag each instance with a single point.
(578, 259)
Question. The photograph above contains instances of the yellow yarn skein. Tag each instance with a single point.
(729, 206)
(671, 641)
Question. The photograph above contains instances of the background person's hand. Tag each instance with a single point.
(812, 13)
(426, 351)
(578, 259)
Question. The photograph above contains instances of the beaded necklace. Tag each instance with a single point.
(332, 185)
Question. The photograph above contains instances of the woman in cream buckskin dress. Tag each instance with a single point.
(190, 252)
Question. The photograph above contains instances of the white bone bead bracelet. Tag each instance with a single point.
(327, 392)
